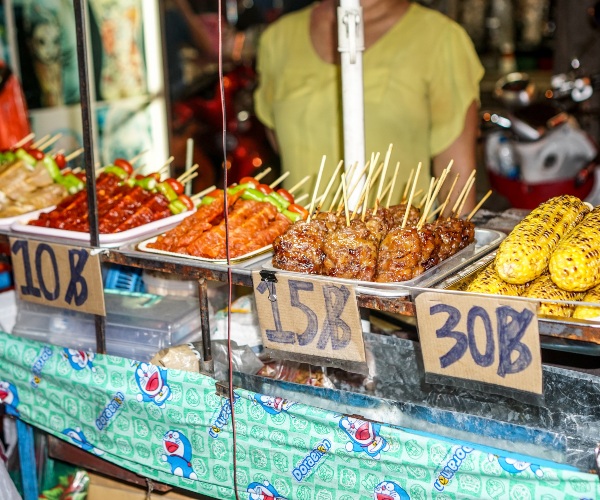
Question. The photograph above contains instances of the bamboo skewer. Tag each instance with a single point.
(350, 191)
(478, 206)
(382, 178)
(462, 193)
(137, 157)
(49, 142)
(462, 203)
(24, 141)
(73, 155)
(412, 193)
(319, 198)
(406, 188)
(425, 198)
(37, 143)
(338, 191)
(312, 203)
(260, 175)
(345, 198)
(188, 172)
(440, 182)
(443, 207)
(389, 199)
(363, 193)
(203, 192)
(279, 180)
(329, 184)
(189, 178)
(301, 198)
(298, 184)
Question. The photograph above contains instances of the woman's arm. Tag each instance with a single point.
(462, 151)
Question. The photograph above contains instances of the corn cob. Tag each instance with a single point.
(589, 312)
(524, 254)
(544, 288)
(489, 281)
(575, 263)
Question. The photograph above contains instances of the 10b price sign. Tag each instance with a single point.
(309, 317)
(490, 339)
(58, 275)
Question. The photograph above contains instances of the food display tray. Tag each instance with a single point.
(6, 222)
(106, 240)
(258, 254)
(486, 240)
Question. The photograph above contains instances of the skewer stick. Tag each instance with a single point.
(37, 143)
(260, 175)
(329, 184)
(188, 172)
(478, 206)
(74, 154)
(382, 178)
(462, 203)
(410, 198)
(412, 172)
(352, 188)
(443, 207)
(425, 198)
(301, 198)
(189, 178)
(387, 188)
(312, 203)
(203, 192)
(24, 141)
(76, 170)
(435, 193)
(319, 198)
(49, 142)
(165, 167)
(345, 198)
(387, 205)
(462, 193)
(279, 180)
(297, 185)
(338, 191)
(364, 195)
(137, 157)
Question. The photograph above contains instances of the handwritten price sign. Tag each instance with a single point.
(309, 317)
(58, 275)
(494, 340)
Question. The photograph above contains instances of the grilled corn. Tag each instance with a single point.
(489, 281)
(589, 312)
(524, 254)
(544, 288)
(575, 263)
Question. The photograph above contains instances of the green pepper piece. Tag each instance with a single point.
(9, 156)
(177, 206)
(51, 167)
(207, 200)
(25, 157)
(239, 187)
(253, 194)
(293, 216)
(281, 201)
(73, 183)
(165, 189)
(118, 171)
(147, 183)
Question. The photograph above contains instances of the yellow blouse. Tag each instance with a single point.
(419, 79)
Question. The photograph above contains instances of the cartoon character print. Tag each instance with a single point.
(513, 466)
(79, 360)
(152, 381)
(263, 491)
(272, 405)
(388, 490)
(10, 397)
(179, 454)
(78, 439)
(364, 436)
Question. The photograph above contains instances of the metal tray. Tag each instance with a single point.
(486, 240)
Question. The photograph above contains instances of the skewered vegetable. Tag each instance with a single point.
(544, 288)
(589, 312)
(524, 254)
(575, 264)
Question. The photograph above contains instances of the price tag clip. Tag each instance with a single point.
(270, 278)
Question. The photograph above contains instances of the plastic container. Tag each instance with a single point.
(169, 284)
(137, 325)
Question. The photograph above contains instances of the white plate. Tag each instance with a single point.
(6, 222)
(143, 246)
(106, 240)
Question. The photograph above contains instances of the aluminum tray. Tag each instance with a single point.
(486, 240)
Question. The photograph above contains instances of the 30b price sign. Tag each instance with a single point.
(492, 340)
(309, 317)
(58, 275)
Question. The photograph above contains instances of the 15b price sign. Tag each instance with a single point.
(309, 317)
(489, 340)
(58, 275)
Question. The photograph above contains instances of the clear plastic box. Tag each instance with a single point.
(137, 325)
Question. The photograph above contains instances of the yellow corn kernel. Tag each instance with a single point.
(544, 288)
(575, 263)
(589, 312)
(525, 252)
(489, 281)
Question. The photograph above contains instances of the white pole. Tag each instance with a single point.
(351, 46)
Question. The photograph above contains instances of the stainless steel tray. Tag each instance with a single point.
(486, 240)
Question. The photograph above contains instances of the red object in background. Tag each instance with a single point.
(14, 124)
(529, 196)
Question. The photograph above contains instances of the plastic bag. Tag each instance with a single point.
(245, 329)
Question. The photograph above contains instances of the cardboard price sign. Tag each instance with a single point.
(58, 275)
(309, 317)
(494, 340)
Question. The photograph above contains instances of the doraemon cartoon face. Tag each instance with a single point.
(513, 466)
(178, 454)
(272, 405)
(364, 436)
(10, 397)
(152, 381)
(263, 491)
(78, 439)
(388, 490)
(79, 359)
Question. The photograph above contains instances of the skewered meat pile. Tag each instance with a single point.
(252, 225)
(120, 207)
(378, 249)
